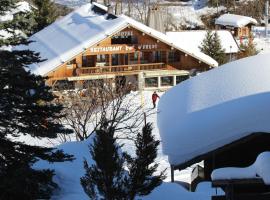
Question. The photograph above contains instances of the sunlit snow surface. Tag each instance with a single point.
(215, 108)
(68, 173)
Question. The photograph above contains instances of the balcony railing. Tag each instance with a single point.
(121, 68)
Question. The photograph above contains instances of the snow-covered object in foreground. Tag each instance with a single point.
(235, 20)
(215, 108)
(260, 169)
(85, 27)
(194, 39)
(68, 174)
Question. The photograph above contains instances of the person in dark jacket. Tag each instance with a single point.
(154, 98)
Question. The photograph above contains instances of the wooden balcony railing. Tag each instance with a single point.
(121, 68)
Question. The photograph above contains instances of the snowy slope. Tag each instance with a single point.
(215, 108)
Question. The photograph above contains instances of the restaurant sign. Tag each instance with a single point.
(123, 48)
(115, 48)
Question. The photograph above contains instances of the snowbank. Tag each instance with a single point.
(215, 108)
(67, 176)
(235, 20)
(260, 169)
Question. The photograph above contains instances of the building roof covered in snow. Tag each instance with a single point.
(194, 39)
(85, 27)
(235, 20)
(215, 108)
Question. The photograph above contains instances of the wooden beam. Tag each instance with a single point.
(172, 173)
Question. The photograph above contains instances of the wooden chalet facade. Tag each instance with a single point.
(129, 51)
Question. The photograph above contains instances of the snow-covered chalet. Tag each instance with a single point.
(91, 43)
(239, 25)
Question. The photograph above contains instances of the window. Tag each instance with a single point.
(151, 82)
(167, 81)
(180, 79)
(173, 57)
(101, 58)
(88, 61)
(156, 56)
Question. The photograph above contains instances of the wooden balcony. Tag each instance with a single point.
(120, 69)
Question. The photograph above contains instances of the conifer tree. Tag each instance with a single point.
(26, 108)
(211, 46)
(142, 168)
(106, 178)
(44, 14)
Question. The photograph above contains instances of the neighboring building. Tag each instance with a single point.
(90, 44)
(220, 117)
(193, 40)
(239, 25)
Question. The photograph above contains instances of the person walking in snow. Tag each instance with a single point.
(154, 98)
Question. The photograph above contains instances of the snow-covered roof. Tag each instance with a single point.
(193, 39)
(21, 6)
(235, 20)
(260, 169)
(215, 108)
(85, 27)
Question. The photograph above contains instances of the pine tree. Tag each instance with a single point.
(106, 178)
(211, 46)
(143, 166)
(44, 14)
(26, 108)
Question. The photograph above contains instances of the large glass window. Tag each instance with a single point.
(179, 79)
(167, 81)
(102, 60)
(174, 56)
(88, 61)
(151, 82)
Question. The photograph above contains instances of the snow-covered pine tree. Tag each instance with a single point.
(26, 108)
(211, 46)
(106, 178)
(142, 168)
(44, 14)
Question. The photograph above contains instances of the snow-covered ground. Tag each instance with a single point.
(68, 173)
(261, 42)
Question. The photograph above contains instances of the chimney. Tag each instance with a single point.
(118, 8)
(110, 9)
(155, 19)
